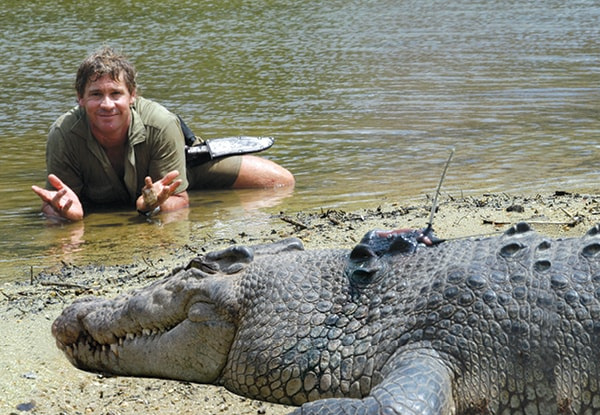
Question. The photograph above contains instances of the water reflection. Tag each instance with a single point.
(254, 199)
(164, 218)
(65, 240)
(111, 237)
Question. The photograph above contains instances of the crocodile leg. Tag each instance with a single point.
(419, 384)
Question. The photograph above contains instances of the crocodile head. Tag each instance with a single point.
(153, 331)
(180, 327)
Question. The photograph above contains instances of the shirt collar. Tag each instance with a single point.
(137, 130)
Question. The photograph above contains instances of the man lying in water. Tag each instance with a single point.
(117, 148)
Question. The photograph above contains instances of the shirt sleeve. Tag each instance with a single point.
(62, 162)
(169, 153)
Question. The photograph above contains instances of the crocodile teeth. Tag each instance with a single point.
(69, 351)
(115, 349)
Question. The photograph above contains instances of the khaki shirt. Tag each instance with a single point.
(155, 146)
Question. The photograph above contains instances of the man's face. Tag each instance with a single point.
(107, 105)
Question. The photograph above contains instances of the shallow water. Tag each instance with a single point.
(364, 100)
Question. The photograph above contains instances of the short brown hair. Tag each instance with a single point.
(105, 61)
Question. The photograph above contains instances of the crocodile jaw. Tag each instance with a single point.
(171, 329)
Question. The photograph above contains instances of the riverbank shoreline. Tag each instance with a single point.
(35, 377)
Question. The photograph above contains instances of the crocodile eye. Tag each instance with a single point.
(402, 246)
(519, 228)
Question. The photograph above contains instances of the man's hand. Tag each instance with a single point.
(62, 202)
(162, 193)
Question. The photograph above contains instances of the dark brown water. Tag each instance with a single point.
(364, 99)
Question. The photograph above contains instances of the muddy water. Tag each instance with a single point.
(364, 100)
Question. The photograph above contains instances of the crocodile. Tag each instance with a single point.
(400, 324)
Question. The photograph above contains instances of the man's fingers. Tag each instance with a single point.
(160, 191)
(173, 186)
(58, 195)
(169, 177)
(67, 205)
(56, 201)
(42, 193)
(55, 182)
(54, 198)
(165, 181)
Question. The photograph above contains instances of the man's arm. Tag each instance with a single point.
(62, 202)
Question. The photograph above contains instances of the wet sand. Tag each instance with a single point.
(36, 378)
